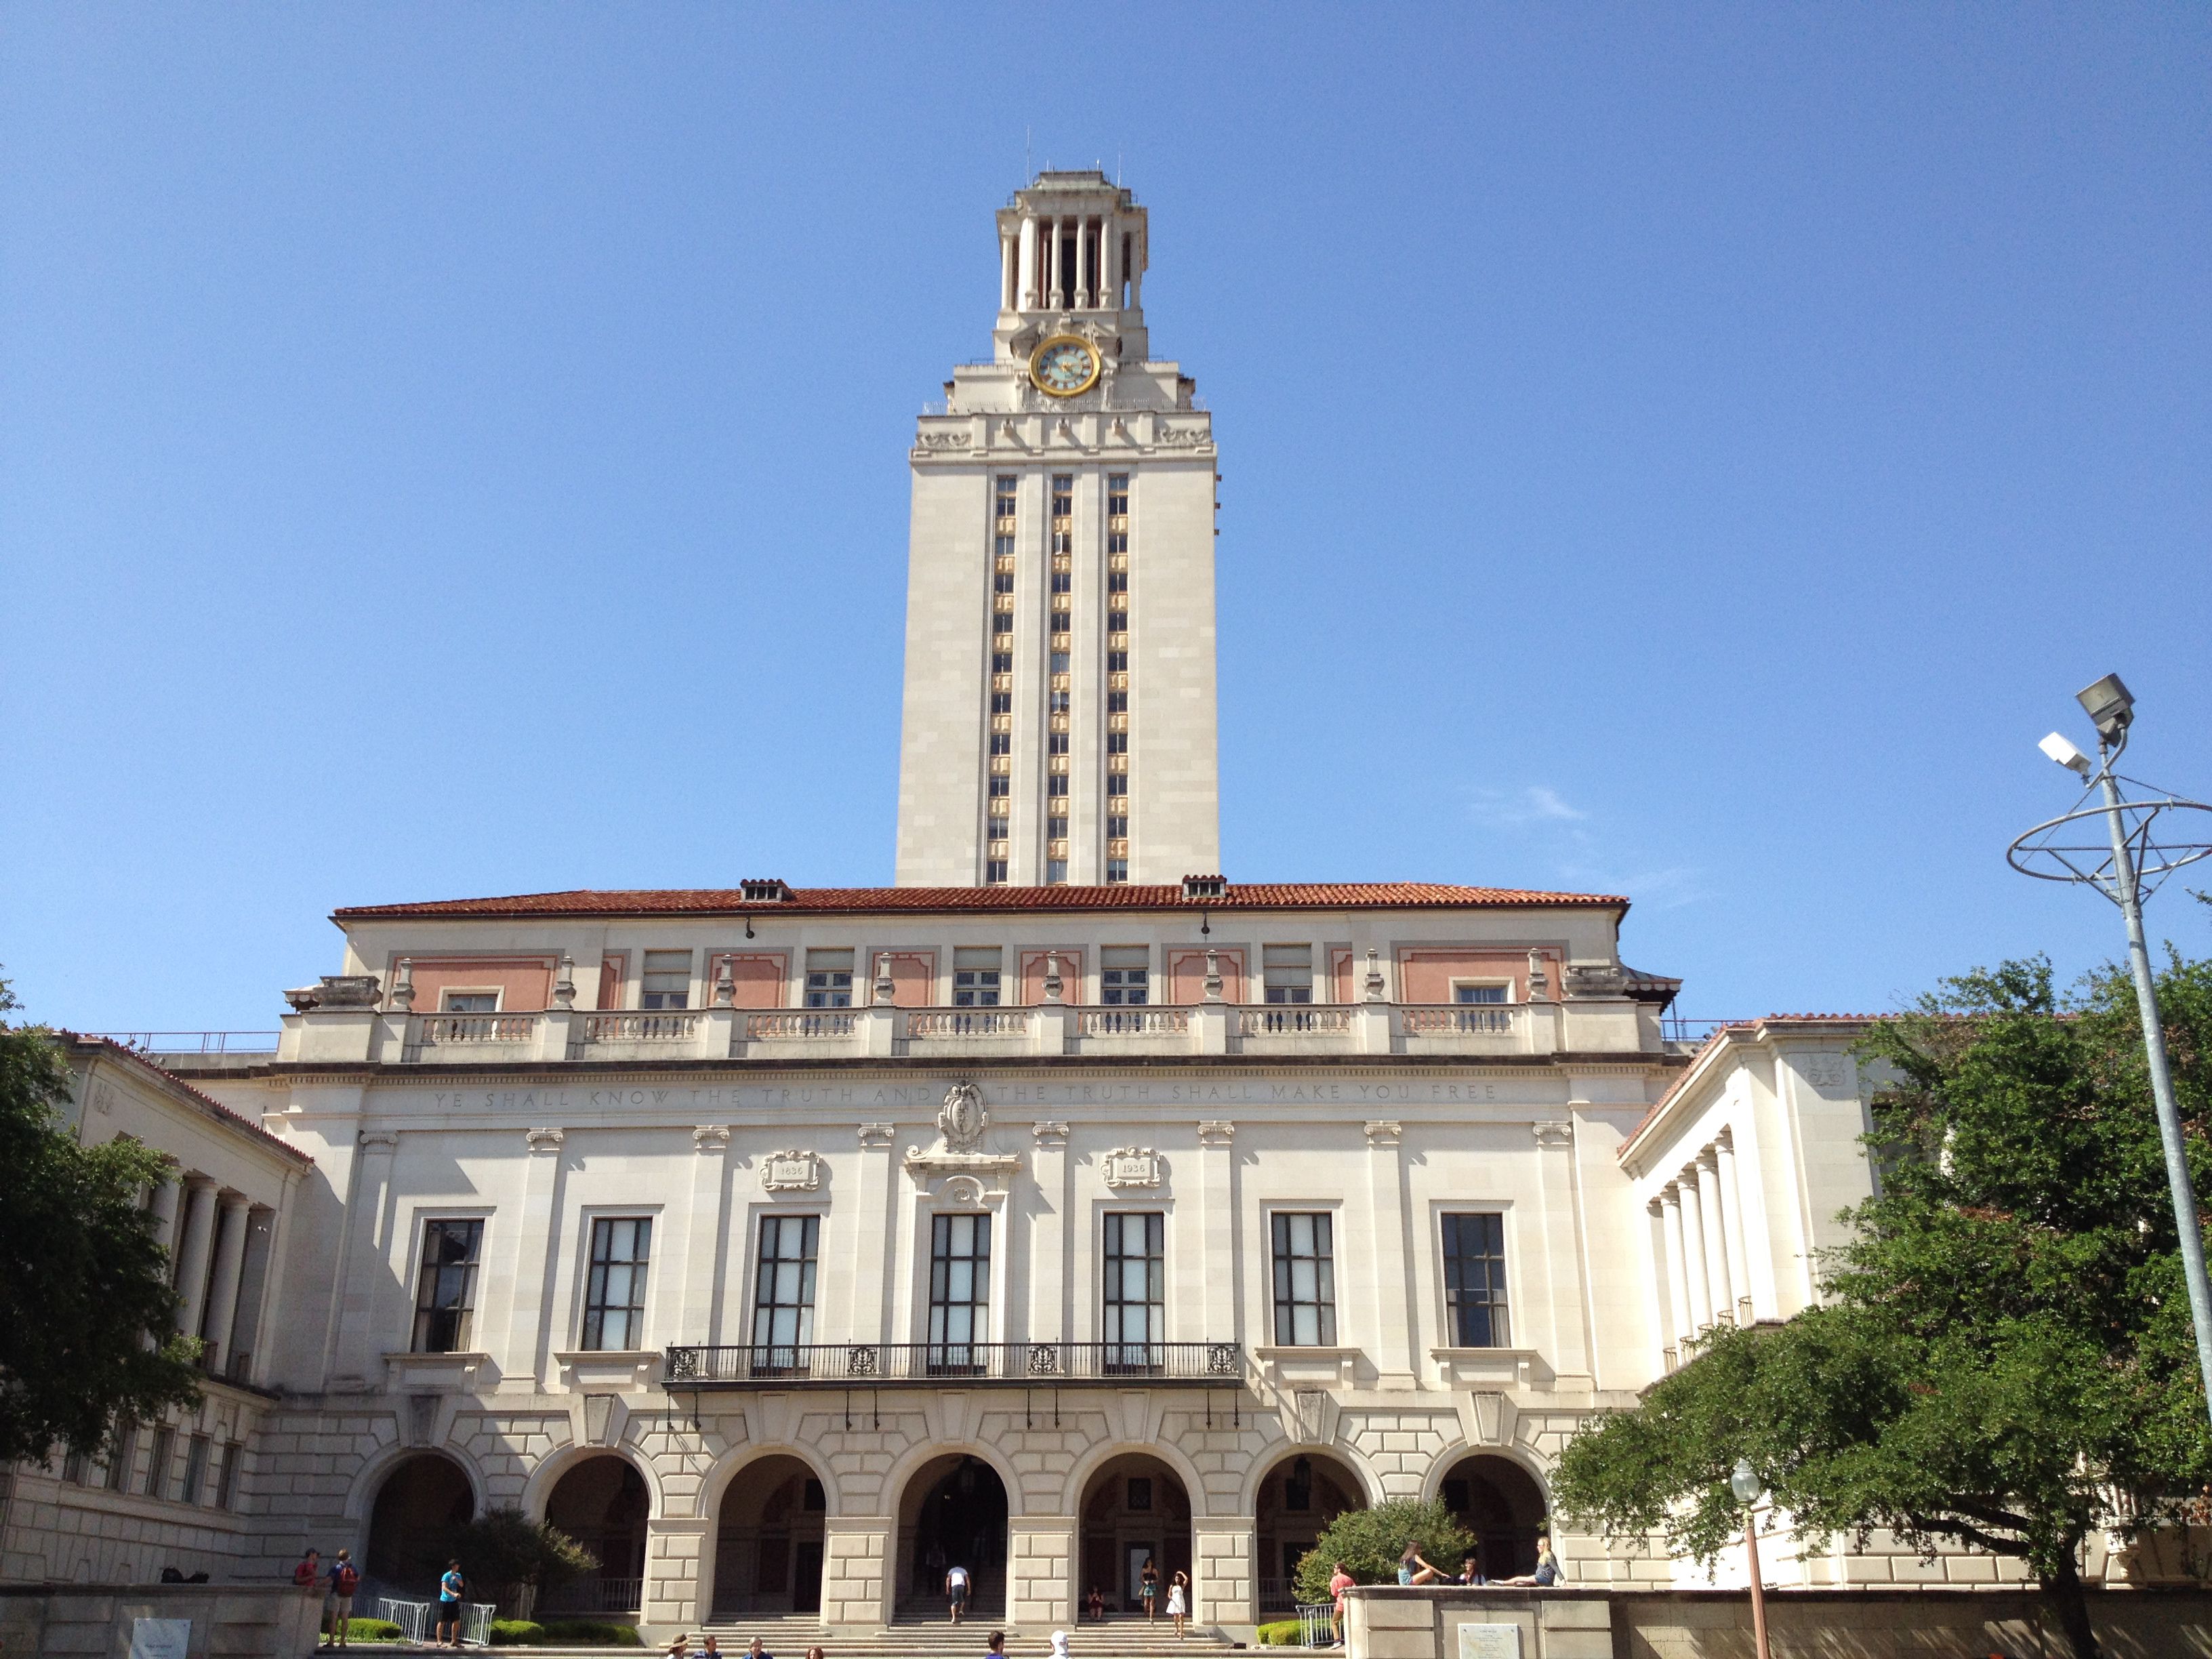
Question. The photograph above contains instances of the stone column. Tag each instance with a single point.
(1009, 296)
(1668, 1209)
(529, 1320)
(1693, 1249)
(1026, 254)
(163, 1203)
(222, 1297)
(695, 1321)
(856, 1571)
(675, 1591)
(1731, 1199)
(1041, 1570)
(1716, 1261)
(192, 1258)
(1109, 260)
(1223, 1587)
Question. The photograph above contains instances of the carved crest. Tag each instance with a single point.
(962, 1120)
(1825, 1069)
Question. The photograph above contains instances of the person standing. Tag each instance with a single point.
(308, 1573)
(337, 1604)
(1148, 1591)
(450, 1587)
(1338, 1582)
(1179, 1600)
(956, 1589)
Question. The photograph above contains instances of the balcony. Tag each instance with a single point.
(876, 1364)
(879, 1031)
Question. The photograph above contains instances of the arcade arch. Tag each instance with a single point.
(952, 1512)
(422, 1497)
(601, 1501)
(1135, 1508)
(1297, 1500)
(1500, 1503)
(768, 1533)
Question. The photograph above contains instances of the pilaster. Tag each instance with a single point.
(360, 1336)
(530, 1325)
(703, 1223)
(675, 1591)
(1223, 1587)
(1216, 1198)
(1045, 1262)
(856, 1571)
(1040, 1570)
(1386, 1253)
(873, 1256)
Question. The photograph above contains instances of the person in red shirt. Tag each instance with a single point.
(1338, 1582)
(308, 1574)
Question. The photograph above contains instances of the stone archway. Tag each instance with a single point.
(602, 1502)
(952, 1512)
(1500, 1503)
(768, 1534)
(1134, 1508)
(421, 1499)
(1297, 1499)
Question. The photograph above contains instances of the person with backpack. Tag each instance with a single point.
(337, 1604)
(451, 1588)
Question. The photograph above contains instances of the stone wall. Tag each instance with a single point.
(1385, 1622)
(228, 1621)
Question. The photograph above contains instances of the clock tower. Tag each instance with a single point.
(1059, 717)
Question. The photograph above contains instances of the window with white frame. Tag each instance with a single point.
(445, 1286)
(1305, 1278)
(830, 979)
(469, 1002)
(1125, 975)
(1287, 972)
(976, 975)
(959, 1293)
(783, 1290)
(1134, 1296)
(667, 982)
(614, 1287)
(1473, 990)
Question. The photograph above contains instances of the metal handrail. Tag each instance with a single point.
(203, 1043)
(860, 1365)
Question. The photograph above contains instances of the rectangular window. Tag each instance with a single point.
(163, 1454)
(1117, 783)
(472, 1002)
(1063, 495)
(959, 1293)
(226, 1479)
(195, 1468)
(118, 1460)
(1003, 547)
(994, 871)
(1305, 1281)
(1001, 784)
(1056, 784)
(1118, 662)
(1002, 702)
(1002, 622)
(1002, 743)
(1055, 872)
(1002, 582)
(1002, 662)
(1288, 972)
(446, 1294)
(1063, 580)
(1117, 702)
(1057, 702)
(1117, 870)
(1117, 495)
(614, 1292)
(830, 977)
(1117, 622)
(1117, 541)
(1124, 975)
(1475, 1279)
(1059, 657)
(1117, 743)
(1135, 1301)
(1116, 828)
(667, 980)
(783, 1292)
(1463, 992)
(76, 1467)
(975, 976)
(1056, 743)
(1003, 488)
(1055, 829)
(1117, 581)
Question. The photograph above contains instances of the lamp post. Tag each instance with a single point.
(1744, 1483)
(2125, 859)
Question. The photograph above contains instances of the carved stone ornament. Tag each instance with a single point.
(790, 1172)
(941, 440)
(1213, 1132)
(1384, 1133)
(545, 1140)
(1552, 1132)
(337, 991)
(1825, 1068)
(1049, 1132)
(877, 1134)
(1130, 1166)
(964, 1119)
(709, 1138)
(1594, 979)
(1181, 437)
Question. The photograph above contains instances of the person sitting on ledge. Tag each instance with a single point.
(1094, 1605)
(1547, 1567)
(1412, 1569)
(1470, 1572)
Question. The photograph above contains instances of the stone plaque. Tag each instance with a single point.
(1490, 1642)
(793, 1171)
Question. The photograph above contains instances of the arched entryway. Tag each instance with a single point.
(768, 1539)
(1298, 1498)
(952, 1513)
(422, 1500)
(1500, 1503)
(602, 1502)
(1135, 1510)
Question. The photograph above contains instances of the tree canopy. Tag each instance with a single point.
(1370, 1541)
(2002, 1357)
(87, 1315)
(504, 1549)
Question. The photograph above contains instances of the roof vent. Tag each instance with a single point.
(1205, 887)
(770, 891)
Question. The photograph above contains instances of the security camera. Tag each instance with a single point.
(2065, 754)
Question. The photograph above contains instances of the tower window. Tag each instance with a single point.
(1117, 783)
(1002, 662)
(1002, 702)
(1117, 622)
(1002, 582)
(1059, 702)
(994, 871)
(1117, 581)
(1056, 742)
(1117, 870)
(1056, 829)
(1117, 495)
(1060, 662)
(1117, 702)
(1004, 490)
(1002, 622)
(1062, 580)
(1117, 541)
(1056, 784)
(999, 785)
(1055, 872)
(1117, 743)
(1116, 828)
(1118, 662)
(1002, 743)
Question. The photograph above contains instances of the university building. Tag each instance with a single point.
(1061, 1206)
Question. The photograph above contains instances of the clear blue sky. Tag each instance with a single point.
(1687, 452)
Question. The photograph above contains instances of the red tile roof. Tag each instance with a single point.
(208, 1104)
(852, 900)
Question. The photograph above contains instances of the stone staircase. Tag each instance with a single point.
(787, 1636)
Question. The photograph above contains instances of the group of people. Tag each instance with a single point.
(1415, 1568)
(710, 1647)
(342, 1578)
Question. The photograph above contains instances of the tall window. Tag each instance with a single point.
(118, 1459)
(830, 979)
(959, 1291)
(446, 1294)
(196, 1468)
(975, 976)
(158, 1461)
(614, 1292)
(783, 1290)
(1135, 1299)
(1125, 975)
(1475, 1279)
(1305, 1281)
(1063, 512)
(226, 1479)
(667, 980)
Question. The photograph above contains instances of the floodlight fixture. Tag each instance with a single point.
(2065, 754)
(2109, 706)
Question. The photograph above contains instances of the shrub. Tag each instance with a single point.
(516, 1633)
(1370, 1541)
(591, 1632)
(504, 1549)
(1283, 1633)
(373, 1630)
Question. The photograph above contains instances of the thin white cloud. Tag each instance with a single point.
(1534, 804)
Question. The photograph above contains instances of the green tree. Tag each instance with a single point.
(87, 1315)
(502, 1550)
(1370, 1541)
(2003, 1356)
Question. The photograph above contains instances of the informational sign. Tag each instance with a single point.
(1490, 1642)
(160, 1639)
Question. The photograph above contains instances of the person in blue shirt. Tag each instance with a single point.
(450, 1589)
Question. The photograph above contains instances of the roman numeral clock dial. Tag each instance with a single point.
(1064, 364)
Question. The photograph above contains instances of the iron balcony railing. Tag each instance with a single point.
(869, 1365)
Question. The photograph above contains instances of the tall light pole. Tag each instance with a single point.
(2125, 863)
(1744, 1483)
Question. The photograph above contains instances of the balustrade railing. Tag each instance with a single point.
(596, 1595)
(939, 1024)
(1133, 1021)
(640, 1027)
(442, 1031)
(864, 1365)
(1295, 1019)
(1460, 1019)
(812, 1024)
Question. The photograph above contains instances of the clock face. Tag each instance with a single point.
(1064, 366)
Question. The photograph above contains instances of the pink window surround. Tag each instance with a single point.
(524, 984)
(1343, 977)
(1071, 981)
(761, 977)
(1187, 974)
(1427, 974)
(612, 966)
(914, 979)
